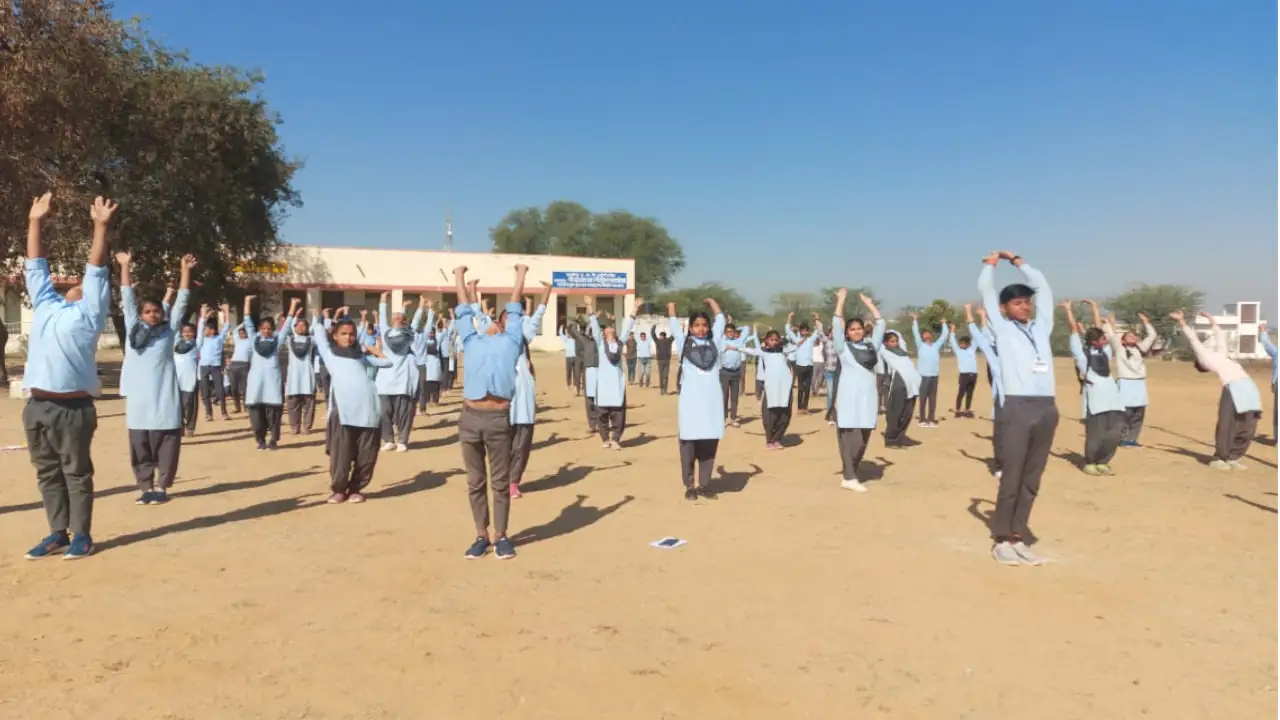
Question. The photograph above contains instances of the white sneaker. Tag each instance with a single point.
(1025, 554)
(388, 446)
(997, 474)
(853, 485)
(1220, 465)
(401, 447)
(1004, 554)
(1237, 465)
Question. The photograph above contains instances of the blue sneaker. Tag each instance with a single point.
(478, 548)
(145, 498)
(159, 497)
(48, 546)
(81, 547)
(504, 550)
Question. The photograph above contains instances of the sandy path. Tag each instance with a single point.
(246, 597)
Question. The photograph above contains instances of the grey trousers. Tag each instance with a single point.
(1027, 426)
(521, 446)
(59, 435)
(730, 384)
(187, 401)
(265, 421)
(421, 395)
(154, 457)
(486, 434)
(397, 418)
(701, 452)
(1235, 431)
(853, 445)
(210, 387)
(302, 413)
(593, 414)
(929, 399)
(897, 415)
(570, 372)
(353, 454)
(239, 382)
(612, 421)
(646, 372)
(996, 436)
(1133, 419)
(1102, 433)
(776, 420)
(664, 375)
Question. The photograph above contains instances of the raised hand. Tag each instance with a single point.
(992, 258)
(188, 261)
(40, 206)
(460, 270)
(1143, 317)
(671, 309)
(385, 297)
(1178, 315)
(102, 210)
(123, 258)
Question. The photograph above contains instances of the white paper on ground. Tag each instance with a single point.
(667, 543)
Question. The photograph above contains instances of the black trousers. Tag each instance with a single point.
(804, 384)
(571, 372)
(59, 435)
(929, 399)
(612, 421)
(1027, 426)
(302, 412)
(1102, 433)
(593, 414)
(521, 447)
(664, 373)
(968, 383)
(187, 401)
(153, 454)
(852, 443)
(730, 386)
(265, 421)
(1234, 432)
(397, 418)
(211, 389)
(353, 455)
(324, 382)
(1133, 420)
(776, 421)
(897, 416)
(421, 394)
(703, 454)
(883, 382)
(995, 437)
(431, 391)
(835, 391)
(239, 383)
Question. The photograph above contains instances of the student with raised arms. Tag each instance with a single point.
(1029, 415)
(264, 393)
(967, 368)
(611, 381)
(61, 374)
(699, 418)
(928, 363)
(1239, 404)
(484, 427)
(981, 339)
(1131, 374)
(524, 404)
(857, 399)
(1103, 410)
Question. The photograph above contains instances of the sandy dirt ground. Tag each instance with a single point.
(247, 597)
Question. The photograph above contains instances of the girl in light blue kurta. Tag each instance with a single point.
(524, 402)
(238, 368)
(351, 430)
(773, 365)
(264, 391)
(857, 400)
(152, 406)
(611, 380)
(397, 383)
(700, 417)
(1103, 409)
(186, 362)
(424, 320)
(904, 386)
(300, 376)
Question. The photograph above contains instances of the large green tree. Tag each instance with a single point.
(568, 228)
(93, 106)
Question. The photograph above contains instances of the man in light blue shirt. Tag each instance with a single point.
(644, 354)
(803, 341)
(62, 376)
(570, 358)
(1028, 417)
(484, 428)
(928, 362)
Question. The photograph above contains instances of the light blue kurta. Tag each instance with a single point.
(187, 365)
(350, 385)
(1133, 392)
(1101, 394)
(589, 381)
(524, 403)
(264, 385)
(701, 409)
(966, 358)
(982, 340)
(611, 380)
(929, 354)
(423, 327)
(151, 384)
(901, 366)
(778, 379)
(300, 378)
(401, 378)
(857, 397)
(1245, 395)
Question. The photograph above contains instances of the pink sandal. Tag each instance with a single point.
(515, 491)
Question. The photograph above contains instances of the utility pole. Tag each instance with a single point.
(448, 231)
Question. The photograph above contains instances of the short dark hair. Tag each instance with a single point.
(1015, 291)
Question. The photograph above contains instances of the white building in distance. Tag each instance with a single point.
(1239, 322)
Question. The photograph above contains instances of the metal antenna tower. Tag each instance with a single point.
(448, 230)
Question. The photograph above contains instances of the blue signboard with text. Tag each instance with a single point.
(574, 280)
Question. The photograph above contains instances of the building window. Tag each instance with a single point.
(332, 299)
(1248, 312)
(1248, 344)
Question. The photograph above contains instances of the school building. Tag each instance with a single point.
(331, 277)
(1239, 322)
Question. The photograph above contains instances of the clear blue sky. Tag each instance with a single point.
(788, 146)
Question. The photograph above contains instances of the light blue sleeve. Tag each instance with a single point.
(39, 284)
(627, 326)
(97, 296)
(129, 305)
(282, 333)
(1044, 295)
(677, 335)
(1077, 352)
(167, 308)
(536, 318)
(223, 329)
(946, 334)
(595, 328)
(752, 351)
(199, 333)
(249, 328)
(383, 325)
(417, 318)
(980, 340)
(375, 361)
(793, 336)
(179, 310)
(877, 332)
(955, 346)
(838, 338)
(1267, 345)
(990, 298)
(466, 329)
(915, 333)
(515, 330)
(717, 329)
(322, 343)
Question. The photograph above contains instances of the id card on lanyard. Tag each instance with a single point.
(1040, 365)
